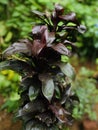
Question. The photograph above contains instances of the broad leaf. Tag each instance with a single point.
(59, 9)
(66, 94)
(32, 107)
(33, 92)
(61, 49)
(18, 66)
(40, 35)
(50, 38)
(67, 69)
(47, 86)
(37, 47)
(69, 18)
(61, 113)
(81, 28)
(21, 46)
(66, 42)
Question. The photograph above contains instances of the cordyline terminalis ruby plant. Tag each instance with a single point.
(46, 99)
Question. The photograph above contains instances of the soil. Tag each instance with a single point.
(6, 120)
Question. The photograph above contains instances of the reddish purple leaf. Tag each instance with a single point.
(61, 49)
(81, 28)
(69, 18)
(69, 43)
(21, 46)
(59, 9)
(39, 32)
(37, 47)
(50, 39)
(60, 113)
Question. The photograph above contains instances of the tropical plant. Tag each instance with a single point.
(47, 101)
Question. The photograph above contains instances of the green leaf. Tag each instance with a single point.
(64, 58)
(68, 70)
(8, 37)
(2, 29)
(48, 88)
(33, 92)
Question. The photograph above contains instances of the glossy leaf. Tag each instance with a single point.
(31, 107)
(37, 47)
(66, 94)
(59, 9)
(50, 39)
(71, 17)
(81, 28)
(68, 70)
(20, 67)
(60, 113)
(61, 49)
(47, 86)
(21, 46)
(33, 92)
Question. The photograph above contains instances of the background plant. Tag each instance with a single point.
(85, 88)
(9, 81)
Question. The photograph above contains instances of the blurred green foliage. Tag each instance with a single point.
(85, 88)
(9, 82)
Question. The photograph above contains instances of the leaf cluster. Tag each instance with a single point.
(45, 89)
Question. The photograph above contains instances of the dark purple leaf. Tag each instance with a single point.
(61, 49)
(60, 113)
(32, 107)
(55, 15)
(47, 86)
(46, 117)
(37, 47)
(67, 69)
(33, 92)
(50, 54)
(21, 46)
(66, 93)
(50, 39)
(39, 32)
(59, 9)
(40, 38)
(20, 67)
(69, 18)
(66, 42)
(81, 28)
